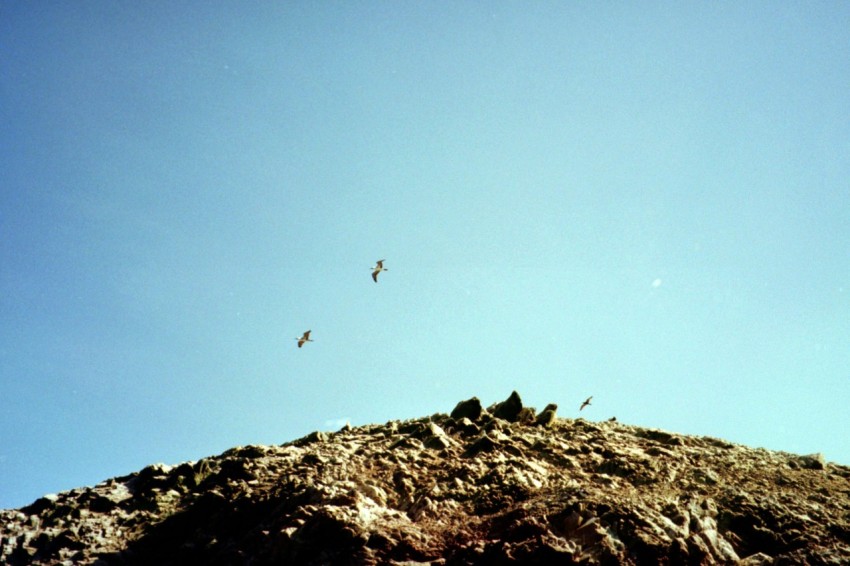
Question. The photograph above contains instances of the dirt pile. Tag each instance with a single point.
(502, 485)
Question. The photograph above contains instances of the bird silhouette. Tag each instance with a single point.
(379, 267)
(305, 338)
(586, 403)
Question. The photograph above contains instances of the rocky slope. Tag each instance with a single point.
(502, 485)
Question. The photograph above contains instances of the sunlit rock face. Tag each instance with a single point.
(479, 486)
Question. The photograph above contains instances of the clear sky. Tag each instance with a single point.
(648, 203)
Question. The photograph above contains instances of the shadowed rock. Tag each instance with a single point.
(509, 409)
(469, 409)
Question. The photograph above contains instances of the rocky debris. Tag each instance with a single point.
(477, 487)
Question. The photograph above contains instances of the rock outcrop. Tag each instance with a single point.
(483, 486)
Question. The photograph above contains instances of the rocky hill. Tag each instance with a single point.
(503, 485)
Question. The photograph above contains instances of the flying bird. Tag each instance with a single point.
(586, 403)
(379, 267)
(305, 338)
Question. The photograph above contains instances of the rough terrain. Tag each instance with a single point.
(503, 485)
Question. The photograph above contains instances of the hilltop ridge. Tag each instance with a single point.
(496, 485)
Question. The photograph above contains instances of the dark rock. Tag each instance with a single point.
(41, 504)
(810, 461)
(469, 409)
(236, 469)
(509, 409)
(101, 504)
(483, 444)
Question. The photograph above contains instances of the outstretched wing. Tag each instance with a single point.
(303, 339)
(375, 275)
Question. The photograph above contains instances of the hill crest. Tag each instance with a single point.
(501, 485)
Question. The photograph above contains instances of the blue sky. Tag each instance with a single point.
(644, 203)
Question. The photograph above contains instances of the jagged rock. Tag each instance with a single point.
(469, 409)
(509, 409)
(454, 491)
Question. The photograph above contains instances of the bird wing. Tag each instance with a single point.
(380, 262)
(307, 335)
(375, 275)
